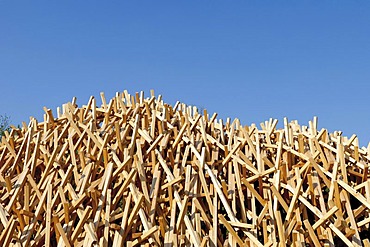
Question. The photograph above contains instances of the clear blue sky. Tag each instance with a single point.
(247, 59)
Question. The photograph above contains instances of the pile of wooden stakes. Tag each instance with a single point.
(137, 171)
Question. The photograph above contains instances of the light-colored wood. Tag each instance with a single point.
(230, 229)
(107, 218)
(136, 171)
(48, 215)
(81, 222)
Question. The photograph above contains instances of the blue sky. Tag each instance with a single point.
(247, 59)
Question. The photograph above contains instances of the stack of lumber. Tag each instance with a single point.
(136, 171)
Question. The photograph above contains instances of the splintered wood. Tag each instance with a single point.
(136, 171)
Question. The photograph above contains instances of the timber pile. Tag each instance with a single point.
(137, 171)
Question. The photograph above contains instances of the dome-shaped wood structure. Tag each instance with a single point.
(137, 171)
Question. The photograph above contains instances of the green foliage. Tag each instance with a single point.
(4, 124)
